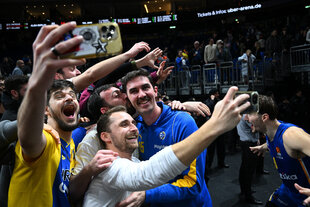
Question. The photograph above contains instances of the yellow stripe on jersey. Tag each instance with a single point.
(275, 163)
(32, 182)
(190, 179)
(304, 169)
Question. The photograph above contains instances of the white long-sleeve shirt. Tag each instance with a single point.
(124, 176)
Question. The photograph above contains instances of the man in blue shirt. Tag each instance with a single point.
(159, 127)
(289, 148)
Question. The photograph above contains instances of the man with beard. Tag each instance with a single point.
(159, 127)
(117, 131)
(289, 147)
(44, 161)
(14, 92)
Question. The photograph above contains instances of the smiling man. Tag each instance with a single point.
(289, 147)
(117, 131)
(159, 126)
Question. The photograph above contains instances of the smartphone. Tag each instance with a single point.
(254, 107)
(99, 40)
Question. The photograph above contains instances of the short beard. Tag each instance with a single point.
(62, 125)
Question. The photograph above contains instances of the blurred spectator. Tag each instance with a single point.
(299, 107)
(258, 52)
(219, 144)
(285, 110)
(14, 92)
(210, 52)
(195, 55)
(222, 53)
(180, 61)
(249, 160)
(262, 41)
(18, 70)
(308, 36)
(285, 40)
(247, 60)
(7, 66)
(28, 66)
(273, 44)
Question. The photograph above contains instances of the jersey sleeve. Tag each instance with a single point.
(189, 183)
(131, 176)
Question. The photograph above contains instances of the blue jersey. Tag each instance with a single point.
(291, 171)
(187, 189)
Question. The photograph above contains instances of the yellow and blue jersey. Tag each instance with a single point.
(188, 188)
(44, 182)
(291, 171)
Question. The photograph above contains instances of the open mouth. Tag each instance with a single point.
(69, 110)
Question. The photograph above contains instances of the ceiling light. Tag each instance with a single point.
(146, 9)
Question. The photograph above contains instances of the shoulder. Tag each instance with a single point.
(90, 141)
(295, 138)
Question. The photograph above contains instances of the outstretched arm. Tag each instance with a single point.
(226, 116)
(260, 150)
(31, 112)
(105, 67)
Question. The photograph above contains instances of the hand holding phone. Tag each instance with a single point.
(99, 40)
(254, 107)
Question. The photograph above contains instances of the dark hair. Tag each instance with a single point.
(267, 105)
(15, 83)
(213, 92)
(59, 85)
(103, 124)
(95, 102)
(60, 71)
(133, 74)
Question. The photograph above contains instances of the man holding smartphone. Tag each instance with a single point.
(289, 147)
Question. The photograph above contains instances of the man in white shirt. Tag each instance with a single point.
(117, 132)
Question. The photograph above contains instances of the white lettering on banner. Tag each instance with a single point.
(231, 10)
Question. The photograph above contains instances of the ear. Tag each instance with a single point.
(265, 117)
(14, 94)
(104, 109)
(105, 136)
(47, 111)
(156, 90)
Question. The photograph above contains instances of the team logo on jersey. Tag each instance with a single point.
(63, 157)
(279, 156)
(162, 135)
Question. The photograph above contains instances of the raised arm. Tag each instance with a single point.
(31, 112)
(105, 67)
(226, 116)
